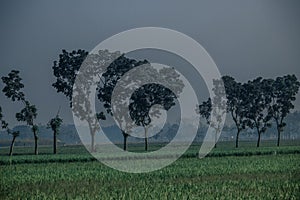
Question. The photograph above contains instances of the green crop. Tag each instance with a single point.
(254, 174)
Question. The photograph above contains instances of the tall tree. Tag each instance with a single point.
(12, 90)
(108, 82)
(142, 101)
(66, 69)
(213, 110)
(55, 124)
(235, 94)
(257, 104)
(283, 94)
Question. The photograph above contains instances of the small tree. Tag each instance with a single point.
(12, 90)
(283, 93)
(2, 121)
(55, 124)
(28, 114)
(15, 134)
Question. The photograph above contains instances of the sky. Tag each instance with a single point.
(246, 39)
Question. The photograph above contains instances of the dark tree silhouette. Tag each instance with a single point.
(28, 114)
(204, 110)
(235, 94)
(213, 110)
(108, 82)
(283, 93)
(257, 103)
(15, 134)
(2, 121)
(55, 124)
(144, 98)
(66, 70)
(12, 90)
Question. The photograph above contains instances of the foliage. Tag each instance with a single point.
(13, 86)
(4, 124)
(257, 103)
(27, 114)
(109, 80)
(12, 90)
(283, 94)
(236, 95)
(65, 70)
(55, 124)
(213, 110)
(148, 95)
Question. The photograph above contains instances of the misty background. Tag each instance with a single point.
(246, 39)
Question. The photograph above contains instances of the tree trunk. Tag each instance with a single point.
(216, 138)
(35, 143)
(12, 146)
(258, 140)
(54, 142)
(278, 139)
(125, 141)
(92, 133)
(93, 143)
(146, 139)
(237, 139)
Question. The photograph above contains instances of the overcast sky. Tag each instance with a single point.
(246, 39)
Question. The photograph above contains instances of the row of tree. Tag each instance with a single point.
(256, 103)
(67, 68)
(13, 89)
(252, 104)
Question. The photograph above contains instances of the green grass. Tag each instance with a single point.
(80, 154)
(263, 177)
(227, 173)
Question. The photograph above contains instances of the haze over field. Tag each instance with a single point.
(245, 39)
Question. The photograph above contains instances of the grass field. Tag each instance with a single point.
(267, 172)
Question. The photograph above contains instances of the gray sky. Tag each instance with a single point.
(246, 39)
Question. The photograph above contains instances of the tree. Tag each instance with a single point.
(109, 80)
(66, 70)
(204, 110)
(235, 94)
(213, 110)
(283, 93)
(12, 90)
(15, 134)
(257, 104)
(28, 114)
(55, 124)
(143, 99)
